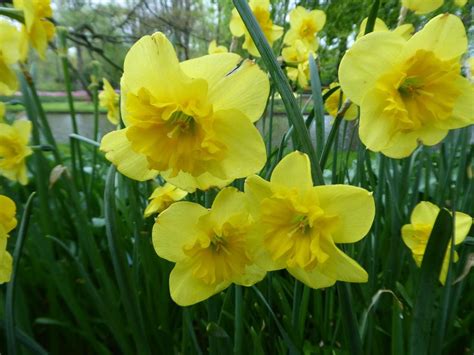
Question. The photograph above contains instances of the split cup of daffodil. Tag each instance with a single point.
(7, 223)
(38, 30)
(214, 48)
(162, 197)
(409, 91)
(10, 53)
(209, 246)
(192, 122)
(416, 234)
(297, 59)
(304, 27)
(334, 102)
(109, 100)
(406, 30)
(297, 225)
(261, 11)
(14, 150)
(421, 7)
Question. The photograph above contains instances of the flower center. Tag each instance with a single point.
(294, 228)
(180, 123)
(307, 29)
(220, 256)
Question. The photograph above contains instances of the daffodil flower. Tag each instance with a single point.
(162, 197)
(409, 91)
(416, 234)
(336, 100)
(261, 11)
(214, 48)
(192, 122)
(209, 246)
(421, 7)
(7, 223)
(297, 56)
(406, 30)
(14, 149)
(38, 29)
(304, 27)
(297, 225)
(109, 99)
(10, 53)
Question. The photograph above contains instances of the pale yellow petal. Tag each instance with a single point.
(424, 213)
(462, 226)
(443, 35)
(354, 208)
(176, 227)
(252, 275)
(118, 150)
(422, 7)
(294, 170)
(228, 202)
(313, 278)
(366, 61)
(6, 267)
(187, 290)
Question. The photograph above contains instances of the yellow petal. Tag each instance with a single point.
(463, 112)
(187, 290)
(245, 89)
(294, 170)
(444, 35)
(118, 150)
(7, 214)
(228, 202)
(236, 25)
(354, 208)
(424, 213)
(246, 153)
(256, 189)
(6, 267)
(403, 144)
(313, 278)
(176, 227)
(8, 80)
(190, 183)
(378, 26)
(152, 64)
(339, 266)
(260, 255)
(406, 30)
(409, 236)
(252, 275)
(421, 7)
(462, 226)
(368, 58)
(376, 127)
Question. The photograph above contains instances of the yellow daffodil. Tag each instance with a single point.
(192, 122)
(210, 247)
(460, 3)
(109, 99)
(38, 28)
(261, 11)
(297, 225)
(417, 233)
(297, 56)
(7, 223)
(336, 100)
(162, 197)
(304, 26)
(14, 150)
(405, 30)
(10, 53)
(409, 91)
(214, 48)
(421, 7)
(2, 111)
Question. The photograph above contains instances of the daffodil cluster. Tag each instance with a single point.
(109, 99)
(7, 224)
(301, 41)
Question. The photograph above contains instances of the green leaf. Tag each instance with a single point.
(281, 84)
(426, 293)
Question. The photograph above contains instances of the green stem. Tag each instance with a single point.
(238, 320)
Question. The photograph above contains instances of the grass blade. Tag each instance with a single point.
(10, 298)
